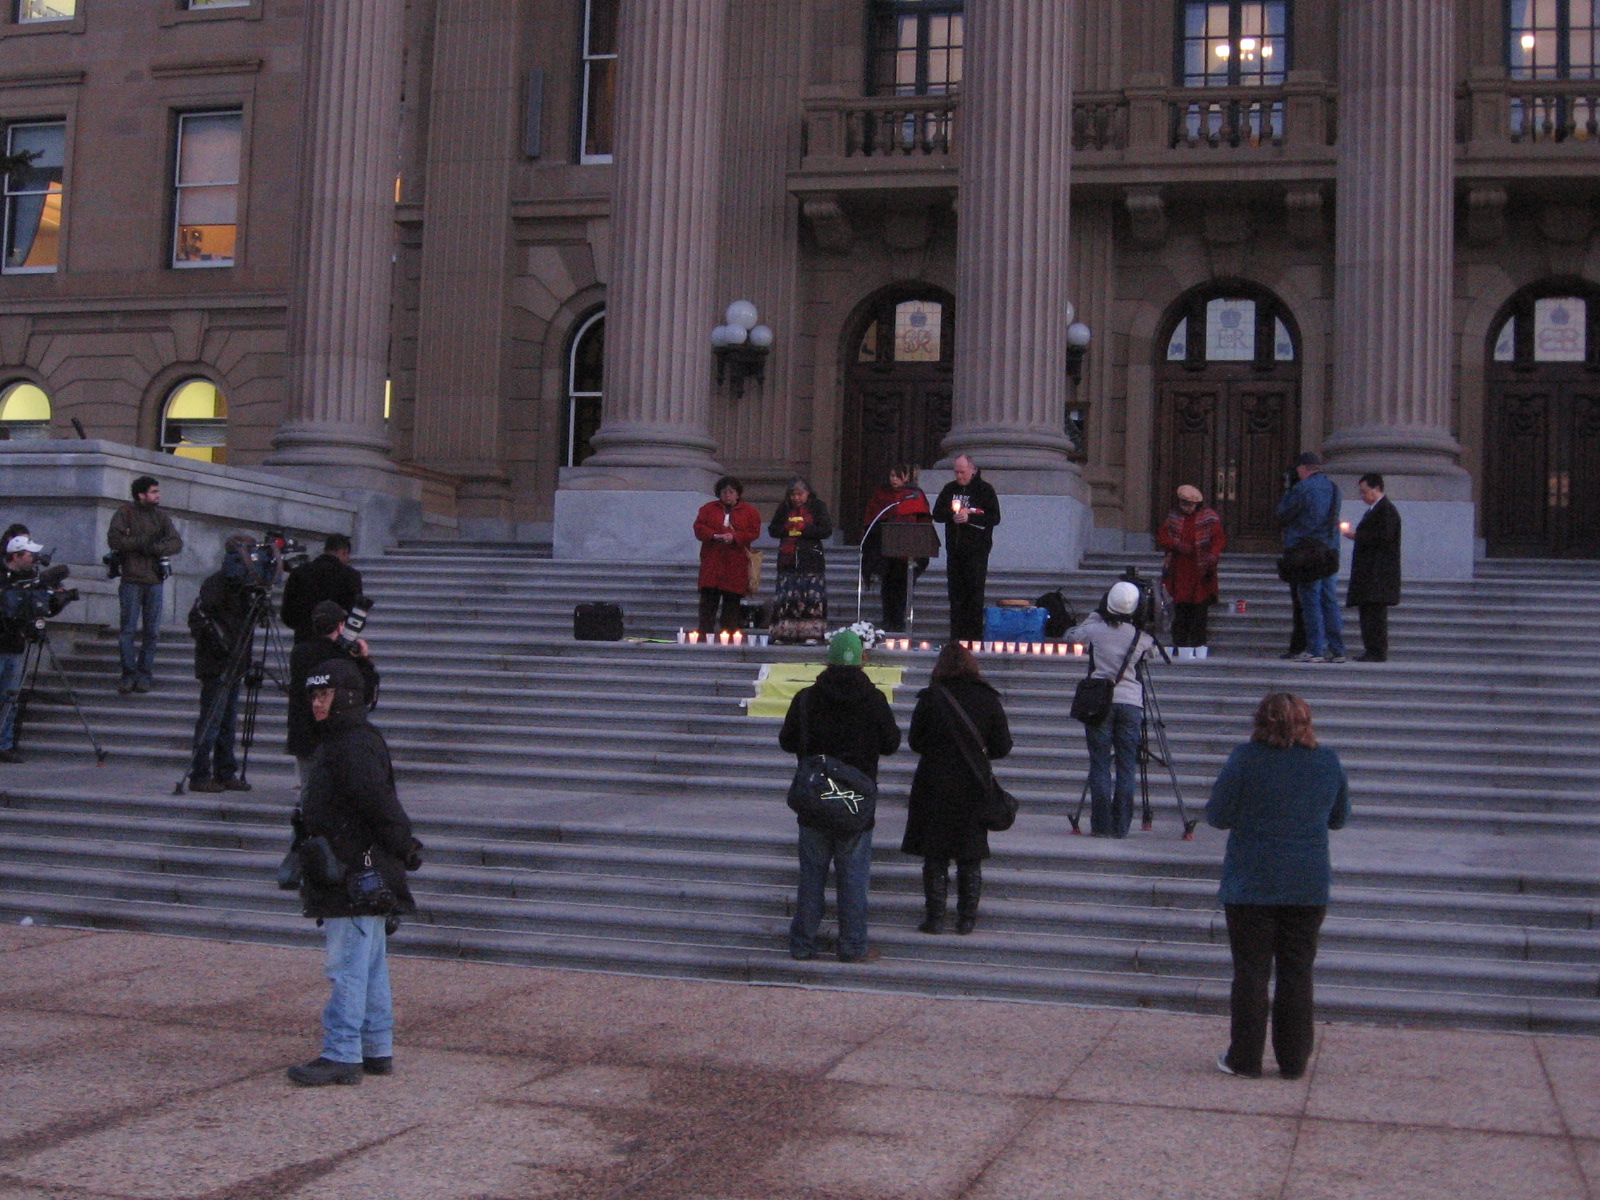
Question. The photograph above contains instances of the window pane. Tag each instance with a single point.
(24, 413)
(207, 225)
(206, 219)
(1560, 329)
(1282, 343)
(208, 148)
(1234, 43)
(1230, 330)
(46, 10)
(219, 4)
(599, 108)
(1505, 346)
(917, 330)
(32, 216)
(195, 422)
(1178, 343)
(602, 31)
(916, 47)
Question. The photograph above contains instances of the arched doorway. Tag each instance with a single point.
(1228, 407)
(1542, 424)
(898, 366)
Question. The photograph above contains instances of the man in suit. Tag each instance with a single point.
(1375, 569)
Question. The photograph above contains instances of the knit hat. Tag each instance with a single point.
(845, 649)
(1189, 492)
(1122, 599)
(325, 617)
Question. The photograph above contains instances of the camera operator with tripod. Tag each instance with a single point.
(1117, 643)
(219, 622)
(28, 597)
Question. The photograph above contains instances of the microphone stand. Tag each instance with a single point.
(861, 553)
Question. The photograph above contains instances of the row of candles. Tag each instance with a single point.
(738, 637)
(1037, 649)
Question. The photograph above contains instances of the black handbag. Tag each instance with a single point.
(997, 808)
(1092, 698)
(830, 794)
(1308, 561)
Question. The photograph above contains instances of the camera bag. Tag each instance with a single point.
(1092, 699)
(1308, 561)
(368, 889)
(829, 793)
(597, 622)
(320, 864)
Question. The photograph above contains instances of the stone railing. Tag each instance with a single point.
(1299, 118)
(914, 127)
(1524, 112)
(1099, 121)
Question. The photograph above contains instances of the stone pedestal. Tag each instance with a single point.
(653, 453)
(339, 309)
(1394, 275)
(1012, 285)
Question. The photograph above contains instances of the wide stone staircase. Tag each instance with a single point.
(611, 806)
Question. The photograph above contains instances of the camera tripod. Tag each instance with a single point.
(37, 650)
(1153, 747)
(251, 662)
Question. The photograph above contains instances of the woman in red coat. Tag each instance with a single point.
(725, 528)
(899, 502)
(1193, 539)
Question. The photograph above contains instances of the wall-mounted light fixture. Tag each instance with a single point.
(1079, 336)
(741, 347)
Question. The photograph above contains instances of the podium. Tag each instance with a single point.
(908, 541)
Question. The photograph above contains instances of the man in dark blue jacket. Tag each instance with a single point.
(1309, 512)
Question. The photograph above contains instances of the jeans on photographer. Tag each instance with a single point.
(1319, 603)
(1115, 737)
(10, 685)
(213, 731)
(141, 608)
(358, 1021)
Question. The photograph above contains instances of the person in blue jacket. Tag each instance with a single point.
(1309, 511)
(1278, 796)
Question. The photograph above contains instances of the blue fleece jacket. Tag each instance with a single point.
(1310, 509)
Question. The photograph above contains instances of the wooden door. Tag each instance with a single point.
(1543, 488)
(890, 417)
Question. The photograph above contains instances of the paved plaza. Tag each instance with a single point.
(143, 1066)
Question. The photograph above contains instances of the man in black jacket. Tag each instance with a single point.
(969, 509)
(844, 715)
(1374, 568)
(350, 801)
(329, 576)
(220, 626)
(328, 643)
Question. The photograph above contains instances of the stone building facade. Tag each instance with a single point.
(479, 249)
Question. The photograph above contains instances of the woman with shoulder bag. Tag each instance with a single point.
(1116, 645)
(942, 816)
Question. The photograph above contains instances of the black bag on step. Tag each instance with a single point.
(597, 622)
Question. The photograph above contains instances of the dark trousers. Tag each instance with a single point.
(895, 573)
(967, 575)
(1264, 938)
(1374, 630)
(1297, 638)
(1189, 624)
(713, 599)
(213, 731)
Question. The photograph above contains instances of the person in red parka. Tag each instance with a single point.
(1193, 538)
(725, 527)
(899, 502)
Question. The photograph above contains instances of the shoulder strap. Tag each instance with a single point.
(979, 765)
(1127, 658)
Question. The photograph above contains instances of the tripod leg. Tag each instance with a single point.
(1146, 818)
(55, 664)
(1076, 816)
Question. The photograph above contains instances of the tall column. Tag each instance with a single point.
(1012, 284)
(339, 306)
(653, 466)
(1394, 273)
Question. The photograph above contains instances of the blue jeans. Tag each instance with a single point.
(852, 864)
(359, 1019)
(10, 684)
(213, 738)
(1319, 602)
(141, 606)
(1111, 810)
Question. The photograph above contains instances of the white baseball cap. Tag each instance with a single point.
(21, 543)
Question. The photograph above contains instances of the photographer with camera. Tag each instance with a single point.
(355, 846)
(142, 539)
(329, 576)
(220, 624)
(1117, 644)
(330, 642)
(30, 593)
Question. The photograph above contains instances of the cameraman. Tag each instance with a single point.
(220, 625)
(19, 569)
(329, 576)
(1118, 643)
(143, 538)
(329, 641)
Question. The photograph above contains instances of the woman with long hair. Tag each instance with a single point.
(941, 818)
(898, 502)
(801, 524)
(1277, 796)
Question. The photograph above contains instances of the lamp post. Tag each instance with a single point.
(1078, 337)
(741, 347)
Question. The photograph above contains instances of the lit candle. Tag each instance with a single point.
(1077, 649)
(738, 637)
(723, 637)
(924, 645)
(694, 636)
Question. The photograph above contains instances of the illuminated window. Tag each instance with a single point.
(916, 47)
(1231, 43)
(24, 412)
(910, 331)
(585, 390)
(31, 11)
(599, 80)
(195, 422)
(206, 186)
(33, 198)
(1553, 39)
(1226, 327)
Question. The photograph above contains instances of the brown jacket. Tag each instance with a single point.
(142, 534)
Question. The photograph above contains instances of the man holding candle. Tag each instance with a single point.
(1374, 568)
(969, 510)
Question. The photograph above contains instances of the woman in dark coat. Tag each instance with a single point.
(1374, 585)
(801, 524)
(941, 820)
(1277, 796)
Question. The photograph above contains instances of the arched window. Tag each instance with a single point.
(586, 360)
(916, 48)
(24, 412)
(1550, 40)
(1232, 44)
(194, 423)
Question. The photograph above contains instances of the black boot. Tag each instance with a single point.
(969, 888)
(935, 893)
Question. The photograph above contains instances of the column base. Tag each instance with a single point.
(1045, 518)
(356, 456)
(1438, 538)
(632, 525)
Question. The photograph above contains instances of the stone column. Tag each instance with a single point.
(653, 466)
(1394, 274)
(1012, 255)
(339, 307)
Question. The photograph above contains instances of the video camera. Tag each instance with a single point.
(29, 603)
(354, 623)
(276, 553)
(1151, 614)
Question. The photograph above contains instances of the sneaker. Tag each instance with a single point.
(11, 755)
(321, 1071)
(377, 1066)
(236, 785)
(1307, 656)
(870, 954)
(141, 685)
(1372, 658)
(125, 685)
(207, 785)
(1222, 1065)
(1337, 658)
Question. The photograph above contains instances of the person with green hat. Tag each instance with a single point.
(845, 715)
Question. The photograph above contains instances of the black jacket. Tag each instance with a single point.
(940, 820)
(323, 578)
(845, 716)
(976, 536)
(808, 556)
(224, 613)
(12, 639)
(1375, 565)
(303, 659)
(350, 799)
